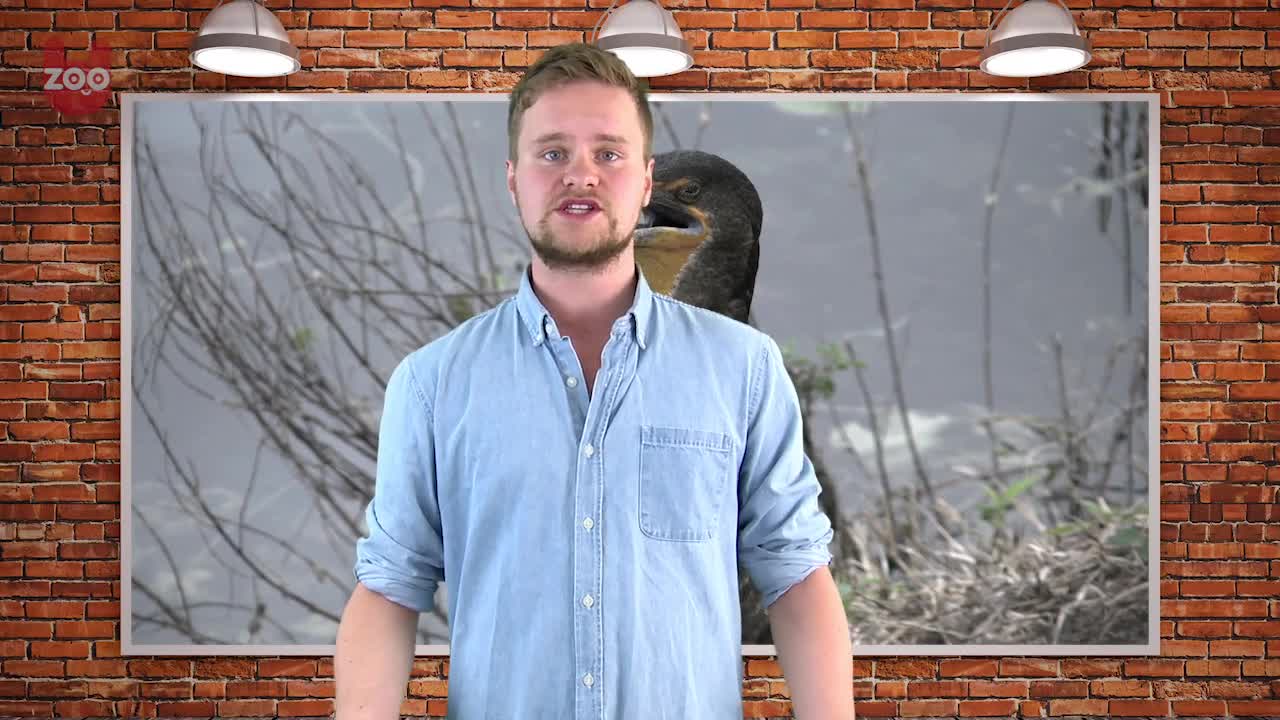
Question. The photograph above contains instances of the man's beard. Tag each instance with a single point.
(598, 252)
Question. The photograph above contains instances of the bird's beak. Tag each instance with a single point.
(666, 235)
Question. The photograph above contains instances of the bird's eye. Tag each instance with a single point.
(690, 191)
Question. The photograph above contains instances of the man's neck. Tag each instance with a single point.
(586, 301)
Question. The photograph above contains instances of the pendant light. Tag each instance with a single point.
(244, 38)
(645, 35)
(1036, 38)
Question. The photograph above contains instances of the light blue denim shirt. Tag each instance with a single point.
(591, 544)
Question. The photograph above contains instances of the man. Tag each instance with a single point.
(587, 463)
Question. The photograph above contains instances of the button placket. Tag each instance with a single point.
(588, 550)
(587, 558)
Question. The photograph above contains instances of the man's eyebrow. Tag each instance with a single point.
(559, 136)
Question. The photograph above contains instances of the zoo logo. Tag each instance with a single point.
(74, 89)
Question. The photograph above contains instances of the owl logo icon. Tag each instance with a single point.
(79, 88)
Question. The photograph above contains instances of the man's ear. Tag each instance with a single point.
(511, 181)
(648, 182)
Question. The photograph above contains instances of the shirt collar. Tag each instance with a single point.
(537, 320)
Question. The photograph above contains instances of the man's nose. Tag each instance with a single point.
(582, 170)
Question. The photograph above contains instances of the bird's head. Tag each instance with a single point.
(697, 198)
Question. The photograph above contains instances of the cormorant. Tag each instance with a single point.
(698, 239)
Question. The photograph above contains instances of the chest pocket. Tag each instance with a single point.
(685, 475)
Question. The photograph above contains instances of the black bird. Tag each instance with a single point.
(698, 239)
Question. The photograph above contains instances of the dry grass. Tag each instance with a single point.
(1084, 582)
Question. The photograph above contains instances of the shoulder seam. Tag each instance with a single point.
(415, 384)
(480, 315)
(704, 312)
(753, 406)
(416, 387)
(681, 303)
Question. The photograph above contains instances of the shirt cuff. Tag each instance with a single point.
(775, 572)
(413, 593)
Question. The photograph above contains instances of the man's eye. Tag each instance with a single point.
(555, 155)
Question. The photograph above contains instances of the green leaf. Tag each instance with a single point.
(834, 355)
(302, 339)
(1012, 492)
(460, 307)
(1128, 537)
(1065, 529)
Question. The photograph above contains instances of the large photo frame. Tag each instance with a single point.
(965, 287)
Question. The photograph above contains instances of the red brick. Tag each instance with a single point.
(246, 708)
(286, 668)
(374, 38)
(296, 708)
(936, 689)
(186, 708)
(926, 708)
(987, 708)
(1128, 708)
(967, 668)
(875, 708)
(1077, 707)
(1059, 688)
(1028, 667)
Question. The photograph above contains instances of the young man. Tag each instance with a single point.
(586, 464)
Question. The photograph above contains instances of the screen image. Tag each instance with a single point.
(963, 286)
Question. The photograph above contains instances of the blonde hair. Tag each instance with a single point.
(568, 63)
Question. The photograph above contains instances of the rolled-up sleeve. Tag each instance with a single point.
(402, 556)
(783, 534)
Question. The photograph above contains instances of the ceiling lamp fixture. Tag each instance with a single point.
(1036, 38)
(244, 38)
(645, 35)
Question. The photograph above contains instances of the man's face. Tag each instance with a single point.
(580, 179)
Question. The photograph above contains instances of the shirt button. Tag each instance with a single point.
(587, 680)
(588, 524)
(588, 450)
(571, 381)
(588, 600)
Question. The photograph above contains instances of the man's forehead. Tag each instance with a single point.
(568, 113)
(563, 136)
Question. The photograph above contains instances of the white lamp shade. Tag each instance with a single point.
(244, 38)
(1036, 38)
(645, 35)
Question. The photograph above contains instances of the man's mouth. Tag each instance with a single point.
(578, 208)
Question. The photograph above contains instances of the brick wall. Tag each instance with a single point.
(1213, 62)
